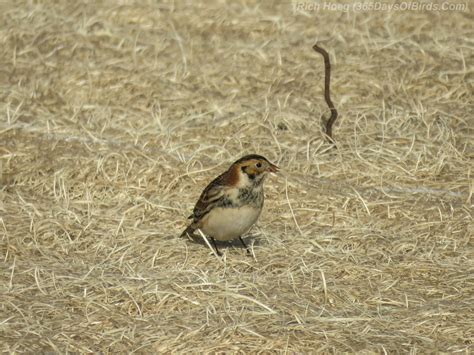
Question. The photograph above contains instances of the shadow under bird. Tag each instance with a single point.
(231, 204)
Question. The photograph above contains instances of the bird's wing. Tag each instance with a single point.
(211, 197)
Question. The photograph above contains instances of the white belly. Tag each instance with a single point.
(229, 223)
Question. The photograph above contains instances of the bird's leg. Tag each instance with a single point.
(242, 241)
(215, 247)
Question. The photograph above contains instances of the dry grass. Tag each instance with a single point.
(114, 117)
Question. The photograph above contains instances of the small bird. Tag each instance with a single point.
(231, 204)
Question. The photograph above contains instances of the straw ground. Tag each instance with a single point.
(114, 116)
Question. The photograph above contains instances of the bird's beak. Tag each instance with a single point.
(273, 168)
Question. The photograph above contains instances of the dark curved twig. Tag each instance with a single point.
(327, 93)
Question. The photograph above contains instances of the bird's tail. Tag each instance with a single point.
(188, 232)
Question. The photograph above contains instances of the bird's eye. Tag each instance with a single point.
(258, 165)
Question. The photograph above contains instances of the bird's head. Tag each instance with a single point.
(252, 169)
